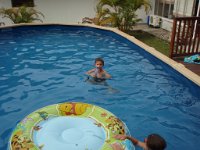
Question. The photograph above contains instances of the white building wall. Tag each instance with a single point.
(190, 5)
(143, 15)
(66, 11)
(5, 4)
(183, 7)
(60, 11)
(72, 11)
(167, 24)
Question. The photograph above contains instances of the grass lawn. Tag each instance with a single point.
(149, 39)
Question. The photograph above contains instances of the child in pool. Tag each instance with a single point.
(152, 142)
(98, 72)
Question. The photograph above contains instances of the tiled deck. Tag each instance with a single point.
(158, 32)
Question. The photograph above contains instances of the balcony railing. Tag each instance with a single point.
(185, 37)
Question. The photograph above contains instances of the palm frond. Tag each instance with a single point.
(22, 14)
(120, 13)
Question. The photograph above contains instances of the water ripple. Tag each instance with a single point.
(44, 66)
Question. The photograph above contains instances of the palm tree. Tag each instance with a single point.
(120, 13)
(21, 14)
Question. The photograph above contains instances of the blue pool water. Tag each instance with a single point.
(43, 65)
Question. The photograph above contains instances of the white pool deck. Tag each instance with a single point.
(177, 66)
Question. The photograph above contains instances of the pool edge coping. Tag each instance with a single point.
(175, 65)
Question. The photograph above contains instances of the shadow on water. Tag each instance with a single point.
(101, 82)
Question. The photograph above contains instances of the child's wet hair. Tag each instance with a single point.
(156, 142)
(99, 59)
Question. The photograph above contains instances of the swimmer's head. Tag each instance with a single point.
(156, 142)
(99, 62)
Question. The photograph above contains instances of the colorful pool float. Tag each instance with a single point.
(73, 126)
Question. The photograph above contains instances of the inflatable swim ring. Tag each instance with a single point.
(71, 126)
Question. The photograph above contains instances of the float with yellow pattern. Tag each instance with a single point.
(70, 125)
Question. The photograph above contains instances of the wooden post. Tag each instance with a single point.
(173, 38)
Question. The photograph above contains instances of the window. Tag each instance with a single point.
(18, 3)
(164, 8)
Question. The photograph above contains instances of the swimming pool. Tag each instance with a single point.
(43, 65)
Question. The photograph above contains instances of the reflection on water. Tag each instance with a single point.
(101, 82)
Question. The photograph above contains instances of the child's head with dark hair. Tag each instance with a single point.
(156, 142)
(99, 60)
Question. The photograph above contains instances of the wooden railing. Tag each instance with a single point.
(185, 37)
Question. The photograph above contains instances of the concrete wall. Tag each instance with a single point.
(5, 4)
(143, 15)
(66, 11)
(59, 11)
(167, 24)
(183, 7)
